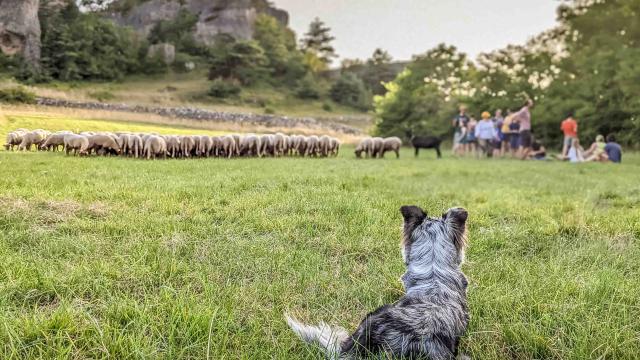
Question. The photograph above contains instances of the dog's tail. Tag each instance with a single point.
(327, 338)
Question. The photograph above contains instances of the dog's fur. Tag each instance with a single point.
(428, 321)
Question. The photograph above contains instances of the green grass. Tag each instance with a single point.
(122, 258)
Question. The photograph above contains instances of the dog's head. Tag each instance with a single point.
(422, 235)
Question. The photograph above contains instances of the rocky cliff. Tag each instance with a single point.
(233, 17)
(20, 29)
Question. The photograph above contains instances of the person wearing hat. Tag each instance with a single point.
(485, 133)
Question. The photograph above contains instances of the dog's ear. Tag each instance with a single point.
(458, 216)
(413, 214)
(413, 217)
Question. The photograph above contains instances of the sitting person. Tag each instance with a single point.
(538, 152)
(576, 152)
(596, 151)
(613, 150)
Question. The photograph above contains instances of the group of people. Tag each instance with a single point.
(601, 150)
(495, 136)
(499, 136)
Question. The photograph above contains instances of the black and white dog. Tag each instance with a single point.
(428, 321)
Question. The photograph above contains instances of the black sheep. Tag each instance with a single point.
(425, 142)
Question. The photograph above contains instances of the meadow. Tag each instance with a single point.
(190, 259)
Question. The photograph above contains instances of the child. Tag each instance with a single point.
(576, 152)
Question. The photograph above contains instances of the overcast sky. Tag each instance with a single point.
(408, 27)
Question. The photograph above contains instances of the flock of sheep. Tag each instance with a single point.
(376, 147)
(151, 146)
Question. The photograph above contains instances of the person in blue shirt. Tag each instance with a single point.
(613, 149)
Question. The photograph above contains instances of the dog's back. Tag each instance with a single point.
(430, 319)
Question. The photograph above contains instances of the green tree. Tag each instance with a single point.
(350, 90)
(317, 41)
(279, 45)
(178, 31)
(242, 60)
(423, 98)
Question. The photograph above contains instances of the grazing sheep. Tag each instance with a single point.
(299, 144)
(238, 140)
(135, 145)
(364, 147)
(391, 144)
(188, 146)
(196, 142)
(324, 144)
(155, 146)
(77, 143)
(377, 144)
(14, 139)
(173, 145)
(36, 137)
(216, 148)
(291, 139)
(228, 146)
(205, 144)
(280, 144)
(54, 141)
(123, 142)
(103, 142)
(312, 146)
(251, 145)
(268, 145)
(334, 147)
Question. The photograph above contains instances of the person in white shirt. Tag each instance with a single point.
(485, 132)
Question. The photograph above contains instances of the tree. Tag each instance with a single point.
(380, 57)
(242, 60)
(350, 90)
(178, 31)
(318, 40)
(423, 98)
(279, 45)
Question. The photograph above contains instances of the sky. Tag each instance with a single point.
(408, 27)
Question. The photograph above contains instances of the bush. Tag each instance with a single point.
(327, 107)
(308, 88)
(221, 88)
(17, 95)
(269, 110)
(350, 90)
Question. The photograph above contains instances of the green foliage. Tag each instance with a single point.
(269, 110)
(317, 41)
(221, 88)
(243, 60)
(423, 98)
(350, 90)
(178, 31)
(77, 46)
(327, 107)
(17, 95)
(308, 88)
(284, 60)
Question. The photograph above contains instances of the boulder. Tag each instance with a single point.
(232, 17)
(20, 29)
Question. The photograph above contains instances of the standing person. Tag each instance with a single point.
(485, 132)
(570, 129)
(499, 141)
(459, 124)
(523, 117)
(514, 134)
(613, 149)
(471, 141)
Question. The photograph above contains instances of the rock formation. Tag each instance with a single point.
(20, 29)
(233, 17)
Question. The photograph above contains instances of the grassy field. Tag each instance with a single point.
(122, 258)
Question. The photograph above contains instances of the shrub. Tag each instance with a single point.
(269, 110)
(350, 90)
(327, 107)
(221, 88)
(17, 95)
(308, 88)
